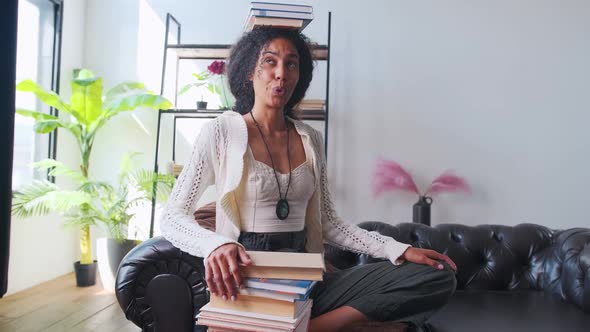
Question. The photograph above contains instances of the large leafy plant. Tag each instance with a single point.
(86, 113)
(134, 188)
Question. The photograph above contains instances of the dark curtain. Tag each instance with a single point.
(8, 21)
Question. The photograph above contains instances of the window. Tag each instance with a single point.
(38, 60)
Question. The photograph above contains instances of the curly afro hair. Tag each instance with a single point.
(243, 59)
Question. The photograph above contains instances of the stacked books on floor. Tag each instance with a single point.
(276, 297)
(278, 14)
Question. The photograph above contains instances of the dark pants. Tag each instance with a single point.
(381, 291)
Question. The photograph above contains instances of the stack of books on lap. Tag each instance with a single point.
(278, 14)
(268, 304)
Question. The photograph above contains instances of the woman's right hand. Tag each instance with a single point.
(221, 270)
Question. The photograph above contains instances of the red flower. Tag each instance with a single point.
(216, 67)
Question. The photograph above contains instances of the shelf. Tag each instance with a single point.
(220, 52)
(193, 111)
(309, 115)
(315, 112)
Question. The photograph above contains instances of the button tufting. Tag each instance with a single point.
(497, 237)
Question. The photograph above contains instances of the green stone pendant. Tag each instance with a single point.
(282, 209)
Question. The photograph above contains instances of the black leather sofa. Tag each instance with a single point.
(511, 278)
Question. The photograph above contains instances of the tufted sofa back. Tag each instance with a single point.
(498, 257)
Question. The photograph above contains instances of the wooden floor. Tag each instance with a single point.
(58, 305)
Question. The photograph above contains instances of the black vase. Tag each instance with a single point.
(421, 213)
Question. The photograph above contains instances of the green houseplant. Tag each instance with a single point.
(87, 112)
(134, 188)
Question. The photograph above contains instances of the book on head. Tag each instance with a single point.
(290, 16)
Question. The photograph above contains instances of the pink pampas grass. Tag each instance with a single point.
(389, 175)
(447, 182)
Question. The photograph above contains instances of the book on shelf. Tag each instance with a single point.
(288, 7)
(288, 286)
(311, 105)
(228, 319)
(261, 305)
(284, 265)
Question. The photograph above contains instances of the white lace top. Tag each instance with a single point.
(258, 197)
(218, 158)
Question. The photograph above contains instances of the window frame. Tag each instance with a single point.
(55, 80)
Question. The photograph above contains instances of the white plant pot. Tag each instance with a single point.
(109, 254)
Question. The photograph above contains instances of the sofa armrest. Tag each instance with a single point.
(567, 271)
(161, 288)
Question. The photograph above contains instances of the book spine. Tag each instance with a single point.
(282, 6)
(280, 14)
(257, 305)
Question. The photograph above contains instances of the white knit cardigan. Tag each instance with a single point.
(218, 157)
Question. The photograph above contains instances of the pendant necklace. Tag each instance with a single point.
(282, 209)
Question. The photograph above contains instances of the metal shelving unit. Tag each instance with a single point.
(184, 52)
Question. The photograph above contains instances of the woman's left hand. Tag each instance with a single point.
(428, 257)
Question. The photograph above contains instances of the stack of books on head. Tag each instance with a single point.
(283, 15)
(276, 297)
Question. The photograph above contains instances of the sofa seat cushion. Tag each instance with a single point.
(495, 311)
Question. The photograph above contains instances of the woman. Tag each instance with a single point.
(270, 174)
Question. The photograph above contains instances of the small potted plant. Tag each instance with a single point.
(215, 81)
(201, 80)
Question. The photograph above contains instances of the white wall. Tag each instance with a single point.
(40, 248)
(495, 90)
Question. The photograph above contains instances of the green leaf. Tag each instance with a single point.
(133, 100)
(82, 217)
(45, 127)
(74, 128)
(87, 99)
(42, 197)
(144, 182)
(59, 168)
(65, 200)
(128, 163)
(123, 88)
(47, 97)
(211, 88)
(96, 186)
(202, 76)
(189, 86)
(30, 201)
(44, 123)
(39, 116)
